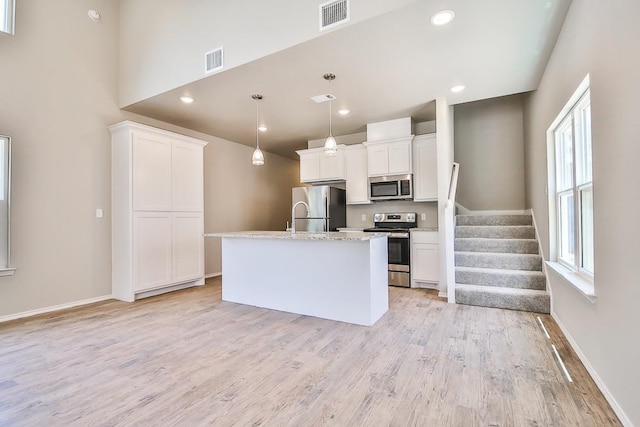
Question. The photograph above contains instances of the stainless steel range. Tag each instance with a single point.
(399, 249)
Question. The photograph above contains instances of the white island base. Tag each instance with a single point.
(331, 275)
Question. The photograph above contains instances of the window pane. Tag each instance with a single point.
(583, 142)
(586, 211)
(566, 228)
(564, 154)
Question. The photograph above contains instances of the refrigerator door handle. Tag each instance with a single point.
(327, 214)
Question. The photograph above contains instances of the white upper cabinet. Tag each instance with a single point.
(187, 177)
(151, 172)
(357, 185)
(316, 166)
(425, 168)
(389, 157)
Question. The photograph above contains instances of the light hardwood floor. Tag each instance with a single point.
(188, 358)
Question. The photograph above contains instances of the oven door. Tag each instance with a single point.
(399, 261)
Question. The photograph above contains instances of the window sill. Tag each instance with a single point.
(8, 271)
(583, 286)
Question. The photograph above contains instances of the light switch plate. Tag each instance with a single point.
(423, 217)
(363, 217)
(98, 213)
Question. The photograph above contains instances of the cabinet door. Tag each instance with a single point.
(400, 158)
(152, 250)
(357, 184)
(309, 167)
(378, 160)
(151, 172)
(188, 246)
(187, 177)
(331, 167)
(425, 262)
(425, 169)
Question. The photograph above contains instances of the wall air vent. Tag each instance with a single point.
(214, 60)
(334, 13)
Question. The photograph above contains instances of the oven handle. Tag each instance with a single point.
(399, 235)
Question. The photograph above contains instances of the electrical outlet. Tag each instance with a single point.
(423, 217)
(363, 217)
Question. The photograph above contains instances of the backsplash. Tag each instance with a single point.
(355, 212)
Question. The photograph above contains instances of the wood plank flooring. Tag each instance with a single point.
(188, 358)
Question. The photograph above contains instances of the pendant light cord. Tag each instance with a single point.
(257, 125)
(330, 128)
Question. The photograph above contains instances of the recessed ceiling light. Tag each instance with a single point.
(457, 88)
(186, 99)
(262, 128)
(343, 112)
(94, 14)
(443, 17)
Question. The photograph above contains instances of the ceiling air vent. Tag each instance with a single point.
(333, 13)
(214, 60)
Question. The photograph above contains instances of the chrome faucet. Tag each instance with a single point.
(293, 214)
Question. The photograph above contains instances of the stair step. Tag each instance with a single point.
(499, 260)
(498, 297)
(520, 279)
(516, 246)
(496, 232)
(499, 219)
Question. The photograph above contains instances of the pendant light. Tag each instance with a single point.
(330, 146)
(258, 158)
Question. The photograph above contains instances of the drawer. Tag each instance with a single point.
(424, 237)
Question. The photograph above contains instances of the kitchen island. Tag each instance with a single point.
(336, 276)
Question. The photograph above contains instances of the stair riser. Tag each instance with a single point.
(504, 246)
(494, 220)
(537, 304)
(503, 280)
(510, 232)
(490, 260)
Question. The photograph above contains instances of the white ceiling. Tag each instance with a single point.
(388, 67)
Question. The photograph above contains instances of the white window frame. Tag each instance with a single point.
(7, 25)
(580, 278)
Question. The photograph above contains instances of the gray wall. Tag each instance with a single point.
(604, 44)
(489, 146)
(59, 91)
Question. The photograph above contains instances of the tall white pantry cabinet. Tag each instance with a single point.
(157, 202)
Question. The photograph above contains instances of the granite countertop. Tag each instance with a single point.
(300, 235)
(425, 229)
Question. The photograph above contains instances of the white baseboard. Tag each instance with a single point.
(54, 308)
(210, 275)
(601, 385)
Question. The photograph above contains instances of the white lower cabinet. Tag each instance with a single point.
(152, 250)
(188, 246)
(425, 259)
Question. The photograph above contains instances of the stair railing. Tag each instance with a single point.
(450, 229)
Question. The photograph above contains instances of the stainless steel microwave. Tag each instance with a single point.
(395, 187)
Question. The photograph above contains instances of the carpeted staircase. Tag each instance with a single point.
(497, 263)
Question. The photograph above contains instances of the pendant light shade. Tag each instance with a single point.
(258, 158)
(330, 146)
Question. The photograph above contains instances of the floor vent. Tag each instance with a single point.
(214, 60)
(334, 13)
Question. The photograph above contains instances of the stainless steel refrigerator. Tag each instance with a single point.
(327, 208)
